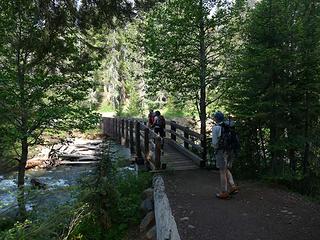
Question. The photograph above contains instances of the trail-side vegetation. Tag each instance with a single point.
(257, 61)
(106, 205)
(63, 62)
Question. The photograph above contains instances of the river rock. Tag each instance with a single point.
(37, 184)
(151, 234)
(148, 193)
(35, 162)
(147, 205)
(147, 221)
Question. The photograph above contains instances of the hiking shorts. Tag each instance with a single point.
(224, 159)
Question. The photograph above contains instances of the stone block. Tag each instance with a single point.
(147, 222)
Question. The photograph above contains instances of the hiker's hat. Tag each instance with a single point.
(218, 116)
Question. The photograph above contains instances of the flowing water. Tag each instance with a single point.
(59, 181)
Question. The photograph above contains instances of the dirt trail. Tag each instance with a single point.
(258, 212)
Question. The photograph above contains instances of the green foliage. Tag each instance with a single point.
(173, 40)
(121, 70)
(307, 185)
(106, 107)
(272, 85)
(57, 224)
(113, 217)
(134, 108)
(108, 204)
(45, 75)
(175, 109)
(114, 198)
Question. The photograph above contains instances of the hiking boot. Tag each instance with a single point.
(223, 195)
(234, 190)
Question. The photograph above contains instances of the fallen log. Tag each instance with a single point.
(77, 162)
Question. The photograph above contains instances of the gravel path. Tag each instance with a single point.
(258, 212)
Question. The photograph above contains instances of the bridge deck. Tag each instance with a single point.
(176, 160)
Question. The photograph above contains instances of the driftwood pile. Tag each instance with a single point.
(70, 152)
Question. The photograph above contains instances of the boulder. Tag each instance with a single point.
(37, 184)
(151, 234)
(148, 193)
(147, 205)
(35, 162)
(147, 222)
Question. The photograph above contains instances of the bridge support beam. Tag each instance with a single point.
(132, 150)
(157, 153)
(138, 143)
(127, 133)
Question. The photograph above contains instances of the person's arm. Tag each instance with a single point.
(154, 122)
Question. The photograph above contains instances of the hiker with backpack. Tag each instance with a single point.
(225, 143)
(159, 124)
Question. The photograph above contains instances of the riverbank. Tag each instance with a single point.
(77, 198)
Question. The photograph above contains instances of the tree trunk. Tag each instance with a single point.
(292, 148)
(263, 148)
(274, 154)
(293, 161)
(24, 134)
(203, 65)
(21, 174)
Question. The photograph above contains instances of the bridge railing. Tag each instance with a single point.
(143, 142)
(188, 141)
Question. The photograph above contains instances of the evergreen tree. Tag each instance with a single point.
(273, 78)
(184, 39)
(43, 79)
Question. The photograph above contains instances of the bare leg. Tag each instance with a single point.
(230, 178)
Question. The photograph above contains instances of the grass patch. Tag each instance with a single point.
(106, 107)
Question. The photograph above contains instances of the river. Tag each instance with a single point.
(60, 183)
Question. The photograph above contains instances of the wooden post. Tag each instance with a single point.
(138, 143)
(113, 127)
(131, 136)
(116, 128)
(104, 125)
(119, 130)
(146, 144)
(108, 126)
(186, 135)
(122, 127)
(157, 153)
(173, 128)
(122, 131)
(127, 133)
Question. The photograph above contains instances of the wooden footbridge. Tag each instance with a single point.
(182, 150)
